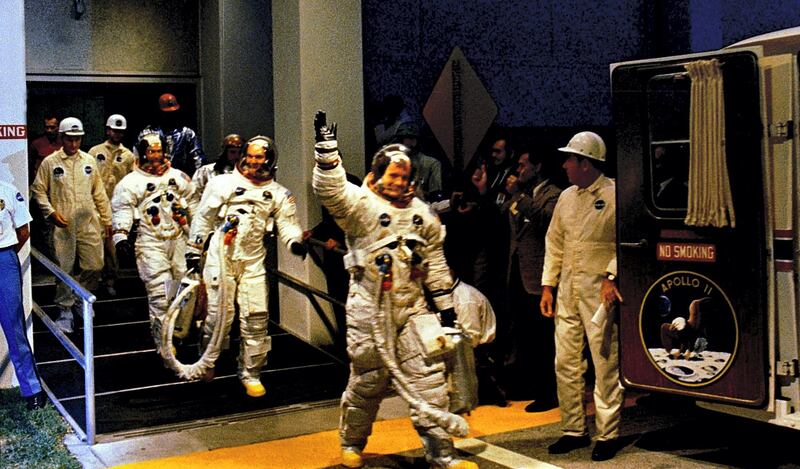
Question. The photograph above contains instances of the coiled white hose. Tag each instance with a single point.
(211, 353)
(451, 423)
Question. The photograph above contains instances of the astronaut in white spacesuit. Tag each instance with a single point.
(157, 196)
(395, 250)
(240, 209)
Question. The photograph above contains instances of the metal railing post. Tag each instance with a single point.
(85, 359)
(88, 352)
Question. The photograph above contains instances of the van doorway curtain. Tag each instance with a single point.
(710, 202)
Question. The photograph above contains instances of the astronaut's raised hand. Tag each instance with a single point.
(322, 131)
(326, 151)
(298, 249)
(192, 262)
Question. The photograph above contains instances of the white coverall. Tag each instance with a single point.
(113, 162)
(256, 206)
(373, 227)
(580, 247)
(160, 205)
(71, 186)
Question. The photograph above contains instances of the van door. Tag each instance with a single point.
(695, 313)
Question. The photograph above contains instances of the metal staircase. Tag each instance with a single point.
(133, 391)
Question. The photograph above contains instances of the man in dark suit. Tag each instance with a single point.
(530, 336)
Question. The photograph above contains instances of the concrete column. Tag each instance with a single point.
(317, 64)
(13, 143)
(236, 65)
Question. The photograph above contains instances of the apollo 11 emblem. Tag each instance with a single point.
(688, 328)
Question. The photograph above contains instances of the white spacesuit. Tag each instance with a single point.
(240, 209)
(157, 196)
(395, 247)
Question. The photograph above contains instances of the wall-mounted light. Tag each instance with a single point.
(78, 8)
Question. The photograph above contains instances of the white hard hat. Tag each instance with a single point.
(71, 126)
(117, 122)
(587, 144)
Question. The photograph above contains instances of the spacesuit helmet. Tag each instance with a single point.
(386, 180)
(153, 141)
(259, 159)
(232, 141)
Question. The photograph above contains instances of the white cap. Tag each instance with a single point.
(587, 144)
(71, 126)
(117, 122)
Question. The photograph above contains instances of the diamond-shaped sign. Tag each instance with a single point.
(459, 110)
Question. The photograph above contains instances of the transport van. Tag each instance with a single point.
(708, 201)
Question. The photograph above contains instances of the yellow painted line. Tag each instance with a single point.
(500, 455)
(322, 449)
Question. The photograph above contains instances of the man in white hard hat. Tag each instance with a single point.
(114, 161)
(70, 192)
(580, 259)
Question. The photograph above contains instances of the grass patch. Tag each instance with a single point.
(32, 439)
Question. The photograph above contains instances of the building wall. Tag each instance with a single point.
(113, 36)
(236, 69)
(545, 63)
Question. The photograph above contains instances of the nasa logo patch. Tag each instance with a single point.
(58, 172)
(87, 169)
(599, 204)
(150, 187)
(417, 220)
(19, 197)
(239, 191)
(385, 219)
(119, 159)
(267, 195)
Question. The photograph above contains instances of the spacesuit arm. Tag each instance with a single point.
(335, 193)
(188, 189)
(554, 249)
(123, 208)
(438, 281)
(286, 218)
(41, 189)
(205, 215)
(199, 180)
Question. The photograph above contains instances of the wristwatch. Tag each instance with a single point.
(611, 277)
